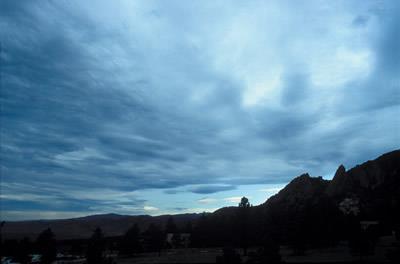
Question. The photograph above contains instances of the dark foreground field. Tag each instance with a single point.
(338, 254)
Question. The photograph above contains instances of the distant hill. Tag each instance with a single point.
(82, 227)
(306, 203)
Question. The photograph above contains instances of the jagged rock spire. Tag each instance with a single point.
(340, 172)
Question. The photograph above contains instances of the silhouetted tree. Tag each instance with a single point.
(244, 203)
(243, 217)
(155, 238)
(130, 243)
(24, 249)
(2, 223)
(46, 245)
(188, 227)
(9, 247)
(96, 247)
(171, 226)
(201, 232)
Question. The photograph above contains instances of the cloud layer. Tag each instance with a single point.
(101, 101)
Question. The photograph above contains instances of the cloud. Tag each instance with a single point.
(207, 189)
(53, 198)
(235, 199)
(271, 190)
(150, 208)
(207, 200)
(188, 98)
(79, 155)
(26, 214)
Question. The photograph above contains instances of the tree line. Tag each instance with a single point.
(319, 224)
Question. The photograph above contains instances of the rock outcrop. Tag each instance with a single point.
(375, 183)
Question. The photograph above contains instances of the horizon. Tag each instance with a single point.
(275, 191)
(154, 108)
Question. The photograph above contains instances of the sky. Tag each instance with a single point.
(166, 107)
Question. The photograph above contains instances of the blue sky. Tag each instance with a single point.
(153, 107)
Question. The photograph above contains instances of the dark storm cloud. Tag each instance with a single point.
(102, 100)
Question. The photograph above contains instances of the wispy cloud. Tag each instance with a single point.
(207, 189)
(235, 199)
(207, 200)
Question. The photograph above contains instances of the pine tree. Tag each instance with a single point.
(243, 215)
(46, 244)
(96, 247)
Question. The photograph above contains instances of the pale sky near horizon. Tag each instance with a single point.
(154, 107)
